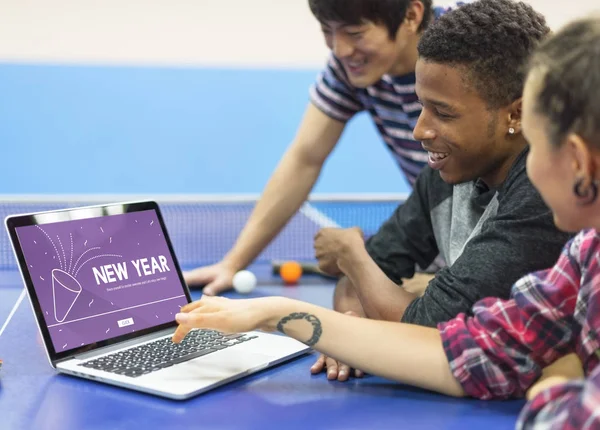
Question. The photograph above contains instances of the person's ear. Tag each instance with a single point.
(514, 117)
(415, 12)
(584, 160)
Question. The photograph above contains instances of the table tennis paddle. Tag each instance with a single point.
(308, 268)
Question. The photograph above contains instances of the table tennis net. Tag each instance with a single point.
(202, 231)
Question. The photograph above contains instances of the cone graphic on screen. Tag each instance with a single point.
(65, 291)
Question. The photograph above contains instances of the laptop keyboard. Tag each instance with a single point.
(163, 353)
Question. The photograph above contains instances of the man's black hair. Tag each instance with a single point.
(390, 13)
(492, 40)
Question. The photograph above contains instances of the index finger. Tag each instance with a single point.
(180, 333)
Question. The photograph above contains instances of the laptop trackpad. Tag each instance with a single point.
(214, 367)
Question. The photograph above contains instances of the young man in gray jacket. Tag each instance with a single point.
(473, 204)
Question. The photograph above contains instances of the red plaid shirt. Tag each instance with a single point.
(500, 351)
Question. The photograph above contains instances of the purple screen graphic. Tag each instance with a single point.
(103, 277)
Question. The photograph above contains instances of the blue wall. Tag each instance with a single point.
(85, 129)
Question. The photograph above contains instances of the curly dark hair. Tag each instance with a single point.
(390, 13)
(569, 67)
(493, 40)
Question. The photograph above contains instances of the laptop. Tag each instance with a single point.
(105, 285)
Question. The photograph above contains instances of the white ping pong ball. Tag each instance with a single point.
(244, 281)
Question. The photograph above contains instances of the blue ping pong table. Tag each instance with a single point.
(33, 396)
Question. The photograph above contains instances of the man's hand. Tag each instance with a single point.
(334, 368)
(332, 243)
(562, 370)
(216, 278)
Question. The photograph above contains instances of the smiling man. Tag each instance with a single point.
(473, 204)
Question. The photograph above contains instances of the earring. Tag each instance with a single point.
(511, 131)
(586, 195)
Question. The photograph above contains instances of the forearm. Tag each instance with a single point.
(379, 296)
(406, 353)
(285, 192)
(345, 298)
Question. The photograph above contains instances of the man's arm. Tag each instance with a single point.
(289, 185)
(345, 298)
(379, 297)
(333, 102)
(376, 269)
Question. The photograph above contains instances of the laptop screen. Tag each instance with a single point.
(101, 277)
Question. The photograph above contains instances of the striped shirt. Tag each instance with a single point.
(391, 102)
(501, 350)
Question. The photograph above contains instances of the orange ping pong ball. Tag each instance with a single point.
(290, 272)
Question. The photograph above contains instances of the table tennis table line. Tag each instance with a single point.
(316, 216)
(97, 199)
(13, 311)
